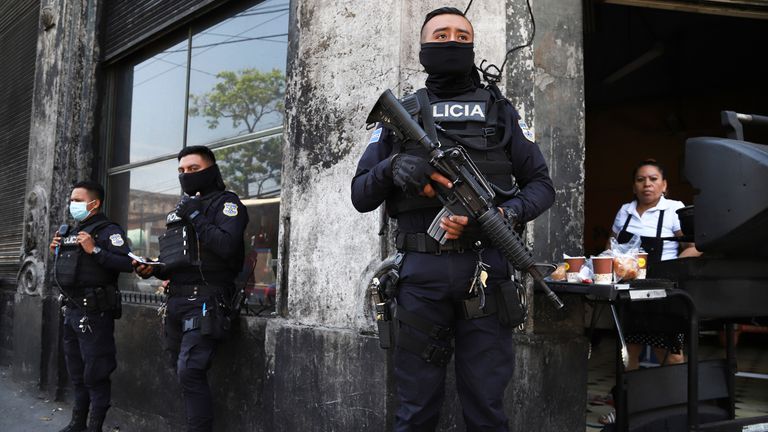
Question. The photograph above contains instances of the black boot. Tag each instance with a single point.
(97, 420)
(77, 424)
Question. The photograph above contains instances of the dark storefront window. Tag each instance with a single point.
(220, 85)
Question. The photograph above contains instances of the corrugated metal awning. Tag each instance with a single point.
(757, 9)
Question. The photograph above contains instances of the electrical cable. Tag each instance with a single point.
(491, 72)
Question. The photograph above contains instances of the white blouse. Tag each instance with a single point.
(646, 224)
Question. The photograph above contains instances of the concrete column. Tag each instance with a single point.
(546, 84)
(60, 150)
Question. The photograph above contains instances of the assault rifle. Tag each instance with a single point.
(471, 191)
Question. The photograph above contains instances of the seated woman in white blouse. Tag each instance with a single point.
(653, 218)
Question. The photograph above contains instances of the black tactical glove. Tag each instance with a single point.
(510, 216)
(411, 173)
(189, 208)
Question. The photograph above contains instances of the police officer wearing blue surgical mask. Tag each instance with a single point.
(87, 261)
(434, 321)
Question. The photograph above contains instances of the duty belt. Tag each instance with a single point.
(422, 242)
(85, 303)
(192, 290)
(83, 298)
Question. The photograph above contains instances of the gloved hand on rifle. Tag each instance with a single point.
(413, 174)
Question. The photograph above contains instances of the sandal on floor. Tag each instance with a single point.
(608, 418)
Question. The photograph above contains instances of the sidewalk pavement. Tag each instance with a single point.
(23, 410)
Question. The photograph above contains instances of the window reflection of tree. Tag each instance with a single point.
(245, 98)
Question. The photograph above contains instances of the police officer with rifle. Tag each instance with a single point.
(201, 254)
(87, 261)
(457, 191)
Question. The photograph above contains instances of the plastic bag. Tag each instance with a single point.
(584, 274)
(558, 274)
(625, 266)
(587, 274)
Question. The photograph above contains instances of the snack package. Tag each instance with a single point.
(559, 273)
(625, 265)
(625, 268)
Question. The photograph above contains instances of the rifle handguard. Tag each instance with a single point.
(504, 237)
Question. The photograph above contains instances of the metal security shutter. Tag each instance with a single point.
(128, 24)
(18, 45)
(736, 8)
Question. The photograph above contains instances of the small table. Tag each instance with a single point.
(621, 294)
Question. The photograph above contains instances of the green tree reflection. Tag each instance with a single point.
(245, 97)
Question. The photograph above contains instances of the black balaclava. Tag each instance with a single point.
(450, 65)
(203, 181)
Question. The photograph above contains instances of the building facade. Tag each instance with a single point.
(280, 90)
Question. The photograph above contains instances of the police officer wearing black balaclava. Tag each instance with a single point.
(202, 252)
(88, 259)
(435, 279)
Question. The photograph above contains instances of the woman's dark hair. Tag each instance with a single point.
(651, 162)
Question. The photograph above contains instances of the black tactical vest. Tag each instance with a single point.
(180, 247)
(76, 269)
(474, 118)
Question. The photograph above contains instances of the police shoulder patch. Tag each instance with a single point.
(230, 209)
(116, 240)
(375, 136)
(527, 132)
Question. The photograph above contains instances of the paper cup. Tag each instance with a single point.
(572, 267)
(603, 267)
(642, 265)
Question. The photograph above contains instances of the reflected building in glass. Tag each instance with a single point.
(219, 84)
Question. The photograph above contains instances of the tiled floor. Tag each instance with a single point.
(751, 393)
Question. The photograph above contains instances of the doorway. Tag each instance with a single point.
(654, 78)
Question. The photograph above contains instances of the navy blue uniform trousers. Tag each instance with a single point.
(89, 352)
(484, 352)
(191, 355)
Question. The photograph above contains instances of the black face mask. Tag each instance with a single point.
(202, 181)
(450, 66)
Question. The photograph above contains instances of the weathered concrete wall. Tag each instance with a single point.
(546, 84)
(59, 153)
(335, 72)
(559, 113)
(146, 396)
(6, 327)
(326, 379)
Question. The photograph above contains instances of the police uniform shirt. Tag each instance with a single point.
(646, 224)
(220, 228)
(114, 248)
(372, 183)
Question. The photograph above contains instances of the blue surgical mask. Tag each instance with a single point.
(79, 210)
